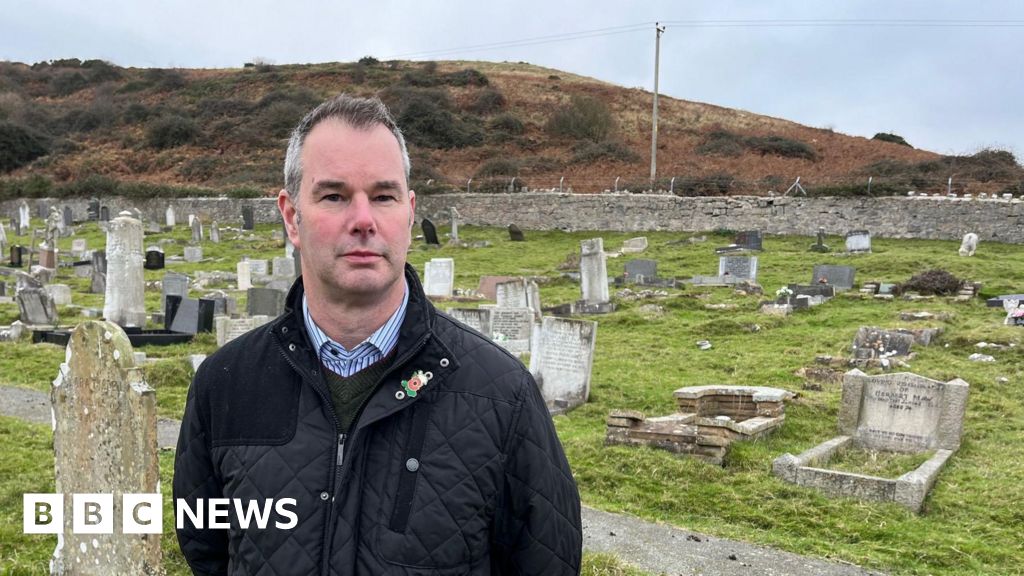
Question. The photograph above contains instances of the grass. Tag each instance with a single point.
(972, 522)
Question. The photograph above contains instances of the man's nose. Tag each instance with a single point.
(362, 221)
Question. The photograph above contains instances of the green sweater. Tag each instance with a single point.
(349, 393)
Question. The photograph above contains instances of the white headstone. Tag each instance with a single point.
(170, 216)
(124, 302)
(258, 267)
(563, 357)
(3, 240)
(439, 277)
(969, 244)
(214, 233)
(634, 245)
(61, 294)
(858, 241)
(78, 246)
(193, 253)
(738, 266)
(511, 294)
(24, 218)
(593, 271)
(511, 328)
(244, 274)
(284, 267)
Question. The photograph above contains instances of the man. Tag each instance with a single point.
(409, 443)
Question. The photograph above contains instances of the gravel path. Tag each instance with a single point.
(656, 548)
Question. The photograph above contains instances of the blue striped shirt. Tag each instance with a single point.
(346, 363)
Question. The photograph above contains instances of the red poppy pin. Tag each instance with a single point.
(412, 386)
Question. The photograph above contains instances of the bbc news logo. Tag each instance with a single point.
(141, 513)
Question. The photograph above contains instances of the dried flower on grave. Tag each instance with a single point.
(938, 282)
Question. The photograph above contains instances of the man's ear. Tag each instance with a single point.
(412, 208)
(289, 213)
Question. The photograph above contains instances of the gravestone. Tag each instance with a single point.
(478, 319)
(858, 241)
(60, 293)
(749, 240)
(289, 248)
(265, 302)
(488, 286)
(744, 267)
(214, 232)
(429, 231)
(154, 259)
(593, 271)
(47, 257)
(511, 294)
(248, 218)
(561, 361)
(36, 306)
(454, 215)
(511, 329)
(297, 260)
(105, 214)
(42, 209)
(93, 210)
(69, 219)
(515, 234)
(3, 239)
(877, 343)
(259, 267)
(818, 290)
(136, 213)
(78, 246)
(634, 245)
(124, 302)
(197, 229)
(840, 277)
(284, 268)
(819, 245)
(439, 277)
(1014, 313)
(174, 284)
(641, 270)
(98, 282)
(900, 412)
(228, 329)
(24, 218)
(533, 299)
(193, 253)
(193, 316)
(169, 217)
(969, 244)
(16, 261)
(105, 442)
(244, 274)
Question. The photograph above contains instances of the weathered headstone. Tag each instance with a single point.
(265, 302)
(169, 217)
(641, 270)
(124, 303)
(105, 443)
(562, 359)
(214, 232)
(454, 215)
(174, 284)
(60, 293)
(841, 277)
(515, 234)
(244, 274)
(228, 329)
(98, 283)
(634, 245)
(248, 218)
(284, 268)
(511, 294)
(197, 230)
(969, 244)
(478, 319)
(68, 217)
(3, 239)
(16, 261)
(1014, 313)
(439, 277)
(488, 286)
(858, 241)
(744, 267)
(48, 257)
(819, 245)
(93, 210)
(36, 306)
(429, 231)
(876, 343)
(593, 271)
(105, 214)
(749, 240)
(78, 246)
(193, 253)
(154, 258)
(511, 328)
(24, 218)
(193, 316)
(259, 267)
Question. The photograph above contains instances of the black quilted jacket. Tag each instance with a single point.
(467, 477)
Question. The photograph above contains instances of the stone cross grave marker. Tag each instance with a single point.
(515, 234)
(858, 241)
(819, 245)
(744, 267)
(124, 302)
(429, 232)
(439, 277)
(562, 357)
(593, 271)
(248, 218)
(841, 277)
(105, 442)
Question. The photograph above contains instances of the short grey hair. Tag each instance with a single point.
(359, 113)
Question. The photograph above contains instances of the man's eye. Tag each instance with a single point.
(384, 198)
(332, 197)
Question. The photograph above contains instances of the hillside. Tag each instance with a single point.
(72, 127)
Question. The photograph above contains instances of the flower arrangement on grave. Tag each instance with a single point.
(782, 294)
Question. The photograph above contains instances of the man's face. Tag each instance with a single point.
(353, 215)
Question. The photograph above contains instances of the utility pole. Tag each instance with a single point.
(654, 115)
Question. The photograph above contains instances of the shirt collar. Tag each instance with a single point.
(383, 339)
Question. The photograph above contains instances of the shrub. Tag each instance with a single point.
(101, 71)
(419, 78)
(488, 101)
(303, 97)
(894, 138)
(35, 186)
(369, 61)
(210, 108)
(721, 143)
(19, 146)
(607, 150)
(427, 120)
(135, 113)
(498, 167)
(779, 146)
(171, 131)
(466, 77)
(278, 119)
(583, 118)
(165, 79)
(67, 82)
(714, 185)
(507, 123)
(200, 169)
(937, 282)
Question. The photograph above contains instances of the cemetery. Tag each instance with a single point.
(740, 438)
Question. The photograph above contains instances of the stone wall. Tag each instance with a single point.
(892, 217)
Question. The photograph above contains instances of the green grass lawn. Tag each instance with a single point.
(973, 522)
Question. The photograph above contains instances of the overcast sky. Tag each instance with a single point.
(946, 75)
